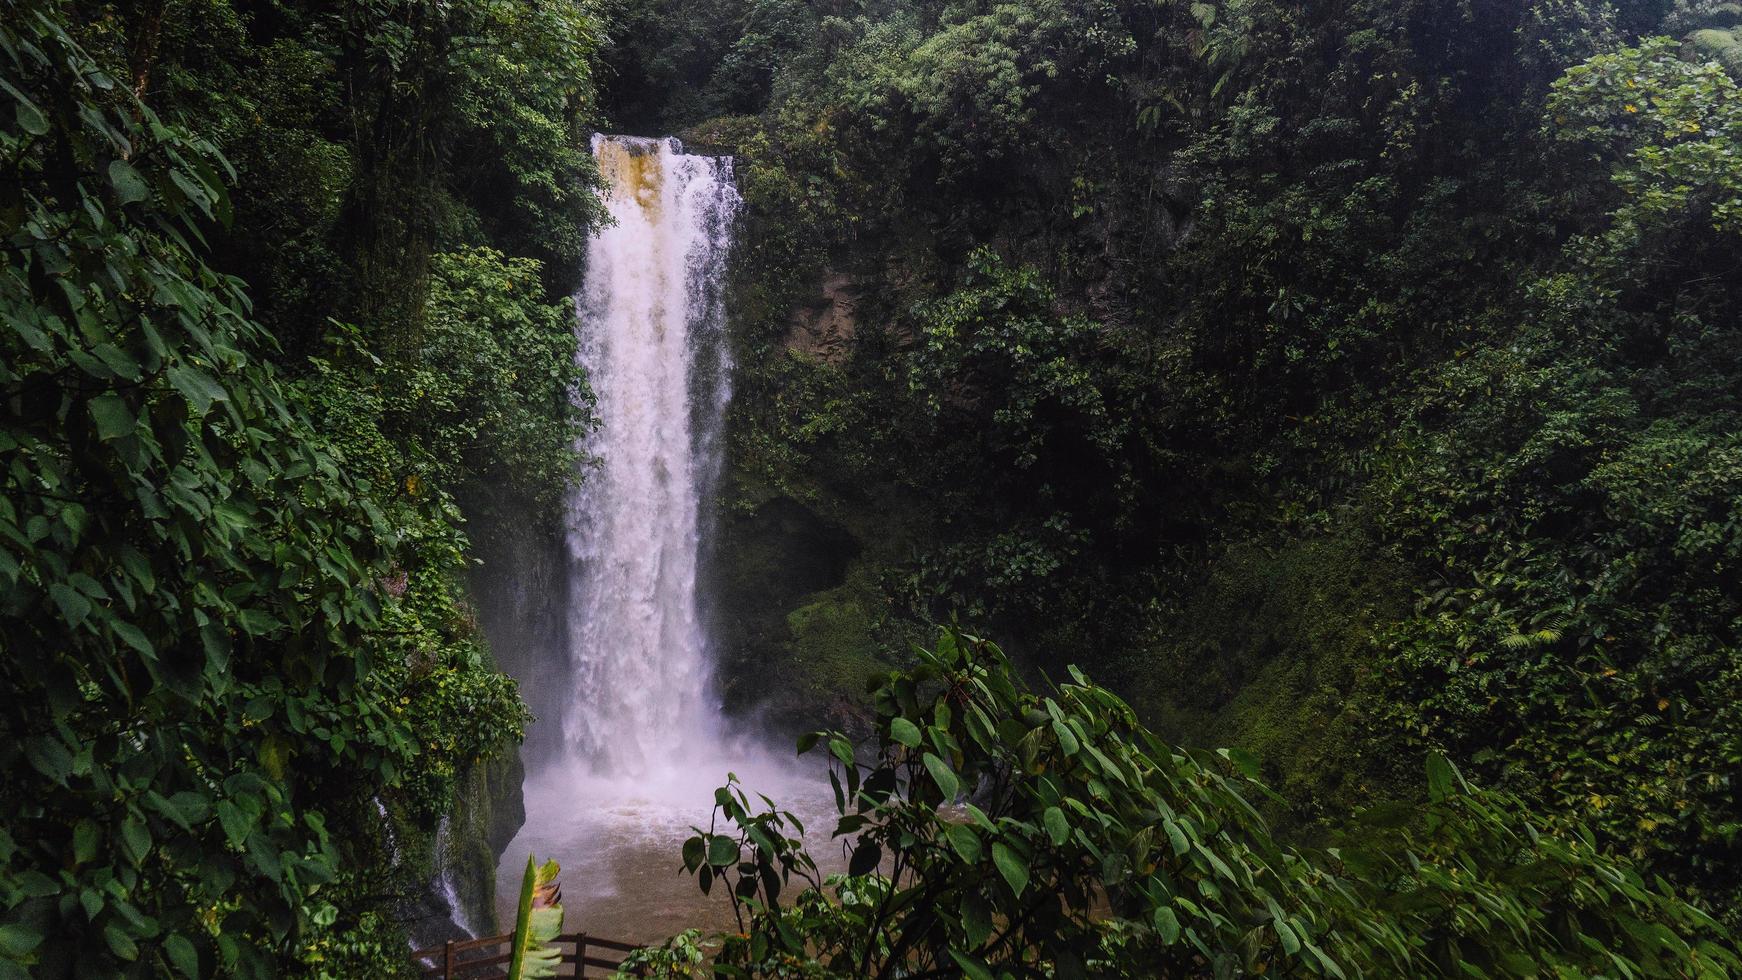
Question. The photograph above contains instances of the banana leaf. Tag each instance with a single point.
(537, 923)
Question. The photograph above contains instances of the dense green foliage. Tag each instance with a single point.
(1000, 832)
(242, 677)
(189, 577)
(1138, 294)
(1356, 383)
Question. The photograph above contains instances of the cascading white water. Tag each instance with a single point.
(643, 743)
(652, 343)
(447, 880)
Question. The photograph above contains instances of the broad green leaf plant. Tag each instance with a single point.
(186, 573)
(537, 923)
(217, 631)
(995, 831)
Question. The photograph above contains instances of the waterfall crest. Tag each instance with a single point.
(651, 338)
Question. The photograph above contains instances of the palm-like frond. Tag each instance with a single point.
(1541, 637)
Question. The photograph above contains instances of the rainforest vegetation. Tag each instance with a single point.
(284, 297)
(1354, 388)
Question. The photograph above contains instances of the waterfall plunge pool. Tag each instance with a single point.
(620, 842)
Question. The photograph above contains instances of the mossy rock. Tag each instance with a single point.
(769, 561)
(488, 812)
(802, 614)
(833, 645)
(1272, 654)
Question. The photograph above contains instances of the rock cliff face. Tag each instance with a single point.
(823, 327)
(456, 863)
(774, 559)
(520, 592)
(488, 812)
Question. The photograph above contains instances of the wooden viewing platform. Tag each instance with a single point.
(487, 958)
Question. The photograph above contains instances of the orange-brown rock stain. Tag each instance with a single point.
(632, 170)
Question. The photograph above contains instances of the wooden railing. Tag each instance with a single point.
(487, 959)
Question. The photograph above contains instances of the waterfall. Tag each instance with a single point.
(642, 746)
(651, 338)
(447, 880)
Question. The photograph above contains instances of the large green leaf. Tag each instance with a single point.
(963, 841)
(904, 732)
(1013, 866)
(943, 775)
(182, 955)
(129, 186)
(537, 922)
(1057, 827)
(722, 852)
(112, 416)
(1166, 924)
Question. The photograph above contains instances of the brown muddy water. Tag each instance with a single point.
(620, 845)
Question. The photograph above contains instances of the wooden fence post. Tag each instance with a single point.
(581, 955)
(448, 961)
